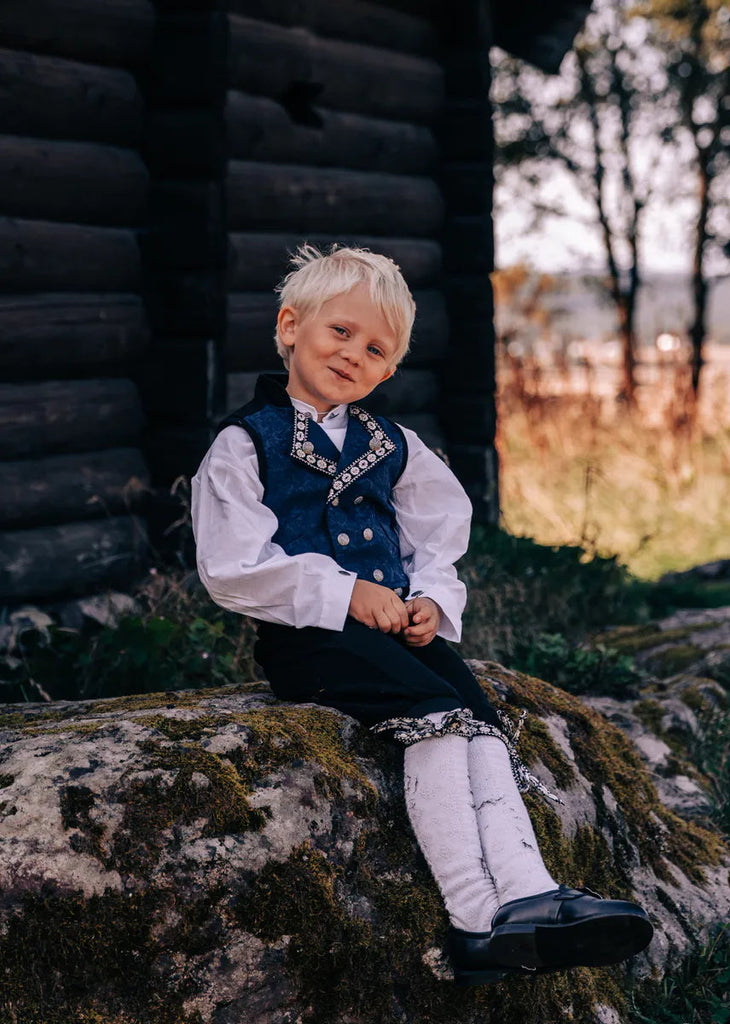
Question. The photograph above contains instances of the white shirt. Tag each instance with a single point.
(244, 571)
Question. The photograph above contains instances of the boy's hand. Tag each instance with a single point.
(425, 618)
(377, 607)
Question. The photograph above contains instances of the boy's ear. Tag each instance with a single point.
(388, 373)
(286, 325)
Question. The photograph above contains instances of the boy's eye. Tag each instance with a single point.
(342, 331)
(375, 349)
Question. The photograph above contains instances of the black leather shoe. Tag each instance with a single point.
(567, 928)
(471, 958)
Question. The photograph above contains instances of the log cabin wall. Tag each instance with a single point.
(73, 193)
(215, 136)
(331, 112)
(466, 137)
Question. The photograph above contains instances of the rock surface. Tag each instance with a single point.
(218, 857)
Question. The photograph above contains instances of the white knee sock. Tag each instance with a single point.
(441, 812)
(508, 839)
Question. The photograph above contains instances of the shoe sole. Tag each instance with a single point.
(596, 942)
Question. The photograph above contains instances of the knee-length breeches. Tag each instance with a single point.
(369, 675)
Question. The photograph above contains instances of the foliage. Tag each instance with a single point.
(520, 590)
(578, 668)
(634, 128)
(710, 751)
(178, 640)
(698, 992)
(651, 487)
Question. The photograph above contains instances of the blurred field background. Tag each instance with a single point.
(649, 484)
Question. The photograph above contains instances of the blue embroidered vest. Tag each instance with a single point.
(333, 503)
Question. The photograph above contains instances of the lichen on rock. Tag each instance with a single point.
(217, 856)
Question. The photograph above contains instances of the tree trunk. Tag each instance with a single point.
(699, 282)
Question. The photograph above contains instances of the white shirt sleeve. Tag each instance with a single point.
(239, 565)
(434, 517)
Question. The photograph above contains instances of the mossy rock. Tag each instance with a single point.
(671, 660)
(216, 857)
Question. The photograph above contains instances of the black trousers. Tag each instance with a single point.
(369, 675)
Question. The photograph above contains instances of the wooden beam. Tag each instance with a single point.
(64, 488)
(82, 182)
(175, 449)
(38, 255)
(53, 98)
(375, 24)
(277, 197)
(188, 225)
(115, 32)
(268, 60)
(69, 335)
(261, 129)
(259, 260)
(76, 558)
(68, 416)
(428, 427)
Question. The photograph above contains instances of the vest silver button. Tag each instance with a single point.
(367, 533)
(343, 539)
(335, 501)
(358, 500)
(374, 444)
(378, 575)
(308, 447)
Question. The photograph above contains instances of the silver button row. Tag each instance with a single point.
(344, 538)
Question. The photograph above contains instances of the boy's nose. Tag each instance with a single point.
(350, 353)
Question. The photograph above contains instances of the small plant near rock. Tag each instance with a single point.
(698, 992)
(176, 639)
(577, 668)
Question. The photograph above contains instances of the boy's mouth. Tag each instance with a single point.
(342, 374)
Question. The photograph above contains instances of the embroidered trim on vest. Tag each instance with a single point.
(380, 447)
(302, 449)
(461, 722)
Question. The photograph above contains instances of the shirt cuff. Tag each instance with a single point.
(451, 609)
(336, 600)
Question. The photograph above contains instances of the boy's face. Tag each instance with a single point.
(340, 353)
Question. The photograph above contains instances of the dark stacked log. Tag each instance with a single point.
(329, 119)
(468, 411)
(258, 258)
(73, 196)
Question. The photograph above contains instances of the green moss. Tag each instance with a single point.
(69, 958)
(672, 660)
(338, 964)
(606, 757)
(650, 713)
(693, 698)
(183, 728)
(285, 735)
(637, 639)
(536, 744)
(76, 803)
(584, 859)
(343, 966)
(152, 806)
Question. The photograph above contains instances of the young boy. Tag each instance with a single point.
(338, 530)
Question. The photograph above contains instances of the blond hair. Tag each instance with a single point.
(318, 277)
